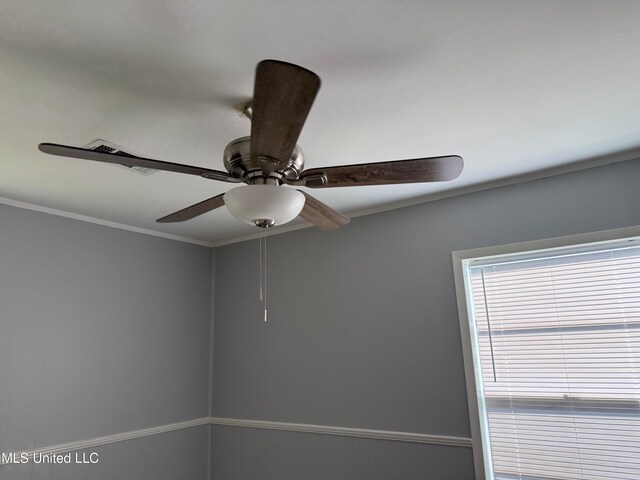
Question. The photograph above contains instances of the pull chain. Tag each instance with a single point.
(265, 277)
(262, 295)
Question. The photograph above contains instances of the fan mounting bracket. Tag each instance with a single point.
(245, 109)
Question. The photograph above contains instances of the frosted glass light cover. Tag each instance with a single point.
(264, 202)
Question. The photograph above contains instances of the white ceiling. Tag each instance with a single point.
(512, 86)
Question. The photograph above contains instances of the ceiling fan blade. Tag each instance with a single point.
(419, 170)
(321, 215)
(132, 161)
(282, 97)
(194, 210)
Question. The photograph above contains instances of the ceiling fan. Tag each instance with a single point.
(269, 160)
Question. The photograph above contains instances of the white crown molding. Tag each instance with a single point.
(577, 166)
(346, 431)
(118, 437)
(262, 424)
(99, 221)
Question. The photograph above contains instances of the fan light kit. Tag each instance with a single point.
(264, 205)
(270, 162)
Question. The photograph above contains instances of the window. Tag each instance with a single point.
(555, 354)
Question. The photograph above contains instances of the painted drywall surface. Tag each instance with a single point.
(363, 326)
(173, 455)
(102, 331)
(246, 453)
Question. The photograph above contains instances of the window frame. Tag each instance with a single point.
(462, 259)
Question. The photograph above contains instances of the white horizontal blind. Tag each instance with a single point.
(557, 340)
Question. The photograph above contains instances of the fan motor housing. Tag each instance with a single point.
(237, 160)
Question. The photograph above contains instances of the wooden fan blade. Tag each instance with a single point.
(132, 161)
(282, 97)
(321, 215)
(419, 170)
(194, 210)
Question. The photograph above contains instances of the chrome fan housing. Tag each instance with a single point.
(237, 160)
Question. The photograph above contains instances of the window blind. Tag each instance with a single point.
(557, 348)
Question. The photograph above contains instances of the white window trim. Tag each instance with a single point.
(460, 258)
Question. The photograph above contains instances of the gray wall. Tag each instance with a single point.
(174, 455)
(102, 331)
(253, 454)
(363, 327)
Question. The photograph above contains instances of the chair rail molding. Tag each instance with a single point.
(245, 423)
(118, 437)
(346, 431)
